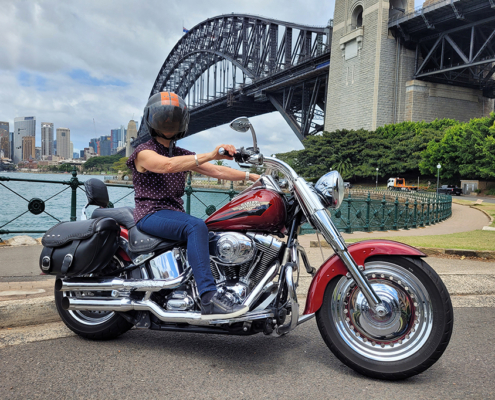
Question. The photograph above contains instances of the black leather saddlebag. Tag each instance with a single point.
(79, 247)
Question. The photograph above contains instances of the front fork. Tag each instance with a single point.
(324, 224)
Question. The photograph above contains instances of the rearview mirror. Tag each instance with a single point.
(240, 124)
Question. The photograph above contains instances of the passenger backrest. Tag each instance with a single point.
(96, 192)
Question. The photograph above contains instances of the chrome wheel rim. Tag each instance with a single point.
(397, 335)
(87, 317)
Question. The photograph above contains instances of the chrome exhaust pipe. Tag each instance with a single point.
(119, 284)
(179, 317)
(260, 287)
(122, 305)
(126, 304)
(294, 304)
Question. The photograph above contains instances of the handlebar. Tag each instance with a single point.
(241, 155)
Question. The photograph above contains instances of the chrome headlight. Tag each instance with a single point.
(330, 187)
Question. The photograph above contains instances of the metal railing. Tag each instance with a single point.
(38, 206)
(362, 209)
(382, 210)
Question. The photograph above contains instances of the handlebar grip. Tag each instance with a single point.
(221, 151)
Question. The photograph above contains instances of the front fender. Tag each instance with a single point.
(360, 252)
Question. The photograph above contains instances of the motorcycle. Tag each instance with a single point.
(380, 308)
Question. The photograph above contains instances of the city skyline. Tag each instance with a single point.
(96, 74)
(46, 145)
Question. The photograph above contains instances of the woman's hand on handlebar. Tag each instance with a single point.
(229, 151)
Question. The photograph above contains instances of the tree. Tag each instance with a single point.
(101, 162)
(465, 151)
(121, 166)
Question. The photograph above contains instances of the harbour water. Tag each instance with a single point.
(57, 198)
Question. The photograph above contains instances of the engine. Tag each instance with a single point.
(239, 261)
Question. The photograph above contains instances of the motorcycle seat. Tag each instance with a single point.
(140, 242)
(123, 215)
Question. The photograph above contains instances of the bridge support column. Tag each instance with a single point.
(368, 71)
(294, 125)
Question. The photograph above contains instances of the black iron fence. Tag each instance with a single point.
(362, 210)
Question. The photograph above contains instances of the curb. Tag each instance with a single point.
(15, 313)
(431, 251)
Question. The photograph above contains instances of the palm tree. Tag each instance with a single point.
(344, 167)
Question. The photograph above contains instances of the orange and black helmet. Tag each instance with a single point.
(166, 112)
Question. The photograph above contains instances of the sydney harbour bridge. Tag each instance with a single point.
(245, 65)
(238, 64)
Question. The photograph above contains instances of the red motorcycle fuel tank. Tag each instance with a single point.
(256, 209)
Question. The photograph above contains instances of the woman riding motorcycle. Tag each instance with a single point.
(159, 168)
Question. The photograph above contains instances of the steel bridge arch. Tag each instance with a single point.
(188, 80)
(283, 67)
(241, 36)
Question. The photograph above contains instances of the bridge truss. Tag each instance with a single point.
(238, 64)
(454, 42)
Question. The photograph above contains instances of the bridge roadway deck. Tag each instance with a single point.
(441, 16)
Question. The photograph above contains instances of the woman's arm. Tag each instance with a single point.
(220, 172)
(148, 160)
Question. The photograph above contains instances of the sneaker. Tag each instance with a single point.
(221, 307)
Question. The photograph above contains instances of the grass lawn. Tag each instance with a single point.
(474, 240)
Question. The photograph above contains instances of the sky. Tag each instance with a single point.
(89, 65)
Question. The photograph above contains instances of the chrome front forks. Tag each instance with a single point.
(324, 224)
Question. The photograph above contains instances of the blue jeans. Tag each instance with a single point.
(176, 225)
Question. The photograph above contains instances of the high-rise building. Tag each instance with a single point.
(114, 133)
(118, 138)
(5, 139)
(11, 139)
(71, 151)
(28, 148)
(63, 143)
(37, 153)
(131, 134)
(105, 145)
(23, 126)
(94, 144)
(47, 139)
(88, 153)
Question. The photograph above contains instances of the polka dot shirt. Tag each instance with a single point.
(153, 191)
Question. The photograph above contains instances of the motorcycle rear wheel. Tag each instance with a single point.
(409, 339)
(94, 325)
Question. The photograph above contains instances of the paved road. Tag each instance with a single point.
(474, 198)
(147, 364)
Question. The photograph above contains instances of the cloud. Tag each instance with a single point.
(85, 78)
(69, 62)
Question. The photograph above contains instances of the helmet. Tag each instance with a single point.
(166, 112)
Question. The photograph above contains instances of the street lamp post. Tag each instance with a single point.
(438, 181)
(438, 176)
(376, 186)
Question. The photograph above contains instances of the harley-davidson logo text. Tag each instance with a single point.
(251, 205)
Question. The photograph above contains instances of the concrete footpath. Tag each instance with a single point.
(26, 297)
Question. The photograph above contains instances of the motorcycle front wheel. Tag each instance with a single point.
(409, 339)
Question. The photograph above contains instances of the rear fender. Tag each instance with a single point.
(360, 252)
(124, 234)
